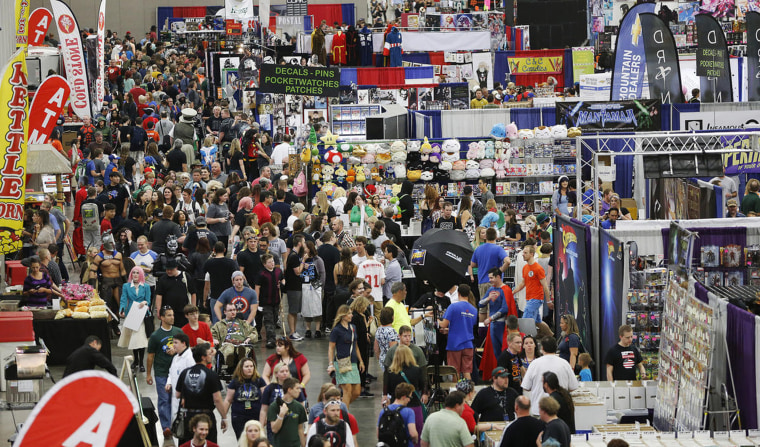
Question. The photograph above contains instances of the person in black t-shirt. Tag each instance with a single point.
(623, 358)
(511, 361)
(249, 260)
(176, 159)
(218, 276)
(201, 390)
(496, 402)
(293, 267)
(525, 429)
(118, 195)
(176, 290)
(566, 410)
(555, 427)
(447, 221)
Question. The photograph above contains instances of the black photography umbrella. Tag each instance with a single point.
(441, 257)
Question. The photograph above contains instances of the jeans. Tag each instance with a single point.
(164, 404)
(211, 304)
(269, 313)
(497, 335)
(532, 309)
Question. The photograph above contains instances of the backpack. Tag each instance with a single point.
(391, 429)
(90, 217)
(336, 435)
(81, 170)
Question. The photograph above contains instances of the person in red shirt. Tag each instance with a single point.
(262, 210)
(109, 212)
(197, 331)
(200, 425)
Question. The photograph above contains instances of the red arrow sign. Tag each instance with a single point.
(47, 105)
(39, 22)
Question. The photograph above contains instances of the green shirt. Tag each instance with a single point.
(158, 343)
(291, 424)
(400, 315)
(500, 223)
(750, 203)
(446, 428)
(419, 356)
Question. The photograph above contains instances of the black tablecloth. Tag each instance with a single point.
(64, 336)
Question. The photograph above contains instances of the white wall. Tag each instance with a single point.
(137, 16)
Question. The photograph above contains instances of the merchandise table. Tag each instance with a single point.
(64, 336)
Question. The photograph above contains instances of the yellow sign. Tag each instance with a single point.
(13, 125)
(22, 19)
(529, 65)
(583, 62)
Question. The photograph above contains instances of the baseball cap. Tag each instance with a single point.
(499, 372)
(200, 221)
(541, 218)
(732, 202)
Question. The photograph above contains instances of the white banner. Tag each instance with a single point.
(100, 88)
(420, 41)
(239, 10)
(264, 9)
(716, 117)
(73, 58)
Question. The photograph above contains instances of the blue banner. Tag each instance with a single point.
(611, 267)
(630, 60)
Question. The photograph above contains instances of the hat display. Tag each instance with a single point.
(188, 115)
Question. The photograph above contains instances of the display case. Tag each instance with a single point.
(349, 121)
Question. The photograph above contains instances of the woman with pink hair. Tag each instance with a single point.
(135, 293)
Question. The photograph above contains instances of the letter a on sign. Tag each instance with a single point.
(86, 409)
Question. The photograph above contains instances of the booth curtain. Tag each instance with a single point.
(539, 78)
(330, 13)
(347, 12)
(740, 337)
(381, 77)
(189, 11)
(348, 76)
(476, 123)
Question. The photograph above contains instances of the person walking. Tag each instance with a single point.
(524, 430)
(160, 353)
(135, 293)
(343, 355)
(446, 428)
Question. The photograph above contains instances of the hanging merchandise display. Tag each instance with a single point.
(318, 45)
(352, 46)
(365, 46)
(393, 47)
(338, 50)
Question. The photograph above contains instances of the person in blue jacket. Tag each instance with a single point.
(135, 293)
(497, 312)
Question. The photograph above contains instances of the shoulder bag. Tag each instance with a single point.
(179, 427)
(416, 393)
(344, 364)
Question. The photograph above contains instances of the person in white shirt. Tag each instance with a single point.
(144, 258)
(182, 360)
(550, 361)
(730, 188)
(374, 273)
(281, 151)
(361, 250)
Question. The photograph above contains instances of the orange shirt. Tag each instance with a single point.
(532, 275)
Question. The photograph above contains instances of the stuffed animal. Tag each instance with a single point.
(329, 189)
(441, 176)
(459, 165)
(490, 151)
(472, 164)
(398, 157)
(499, 131)
(333, 156)
(370, 190)
(359, 151)
(472, 174)
(351, 177)
(526, 134)
(345, 149)
(512, 131)
(426, 148)
(435, 158)
(413, 157)
(383, 154)
(457, 175)
(424, 156)
(396, 189)
(354, 160)
(472, 150)
(487, 173)
(360, 176)
(446, 165)
(327, 173)
(340, 174)
(451, 146)
(481, 149)
(398, 146)
(390, 172)
(413, 175)
(306, 154)
(315, 174)
(559, 131)
(486, 163)
(543, 132)
(400, 170)
(375, 174)
(436, 148)
(500, 169)
(426, 176)
(413, 146)
(574, 132)
(498, 144)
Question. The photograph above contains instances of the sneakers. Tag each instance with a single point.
(142, 369)
(295, 336)
(308, 334)
(366, 394)
(167, 433)
(327, 331)
(317, 334)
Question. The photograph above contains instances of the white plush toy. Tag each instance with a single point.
(458, 175)
(398, 146)
(400, 170)
(559, 131)
(427, 176)
(413, 146)
(451, 158)
(487, 173)
(450, 146)
(327, 172)
(481, 149)
(446, 165)
(543, 132)
(398, 156)
(472, 174)
(525, 134)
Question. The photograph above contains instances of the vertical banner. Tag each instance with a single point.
(583, 62)
(713, 66)
(13, 125)
(73, 58)
(241, 11)
(571, 272)
(663, 72)
(630, 61)
(753, 55)
(611, 270)
(100, 82)
(39, 23)
(47, 106)
(22, 19)
(264, 11)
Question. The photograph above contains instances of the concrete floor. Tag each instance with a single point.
(365, 410)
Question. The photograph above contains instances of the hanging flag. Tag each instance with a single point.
(47, 106)
(22, 19)
(713, 65)
(663, 72)
(104, 409)
(100, 86)
(73, 58)
(753, 55)
(39, 23)
(241, 11)
(630, 60)
(13, 126)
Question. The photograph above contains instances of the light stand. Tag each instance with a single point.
(437, 396)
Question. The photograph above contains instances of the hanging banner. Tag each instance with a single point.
(104, 409)
(610, 116)
(73, 58)
(534, 65)
(22, 19)
(264, 12)
(712, 61)
(753, 55)
(611, 266)
(47, 106)
(311, 81)
(13, 124)
(39, 23)
(663, 72)
(297, 7)
(100, 86)
(571, 288)
(630, 61)
(241, 11)
(583, 62)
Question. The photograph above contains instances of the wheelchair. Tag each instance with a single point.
(224, 370)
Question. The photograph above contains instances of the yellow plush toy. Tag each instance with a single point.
(360, 176)
(574, 132)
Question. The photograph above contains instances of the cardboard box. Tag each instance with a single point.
(651, 393)
(638, 398)
(605, 393)
(622, 396)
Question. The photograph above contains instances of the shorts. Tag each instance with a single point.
(294, 301)
(461, 360)
(483, 288)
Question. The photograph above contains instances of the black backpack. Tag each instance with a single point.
(335, 434)
(391, 428)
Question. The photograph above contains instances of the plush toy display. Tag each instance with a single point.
(426, 176)
(512, 131)
(359, 151)
(383, 154)
(360, 176)
(446, 165)
(559, 131)
(457, 175)
(340, 174)
(333, 156)
(485, 163)
(459, 165)
(413, 146)
(398, 157)
(472, 150)
(435, 158)
(574, 132)
(327, 173)
(390, 172)
(490, 150)
(375, 174)
(487, 173)
(413, 175)
(451, 146)
(543, 132)
(345, 148)
(499, 131)
(526, 134)
(398, 146)
(351, 177)
(426, 148)
(400, 170)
